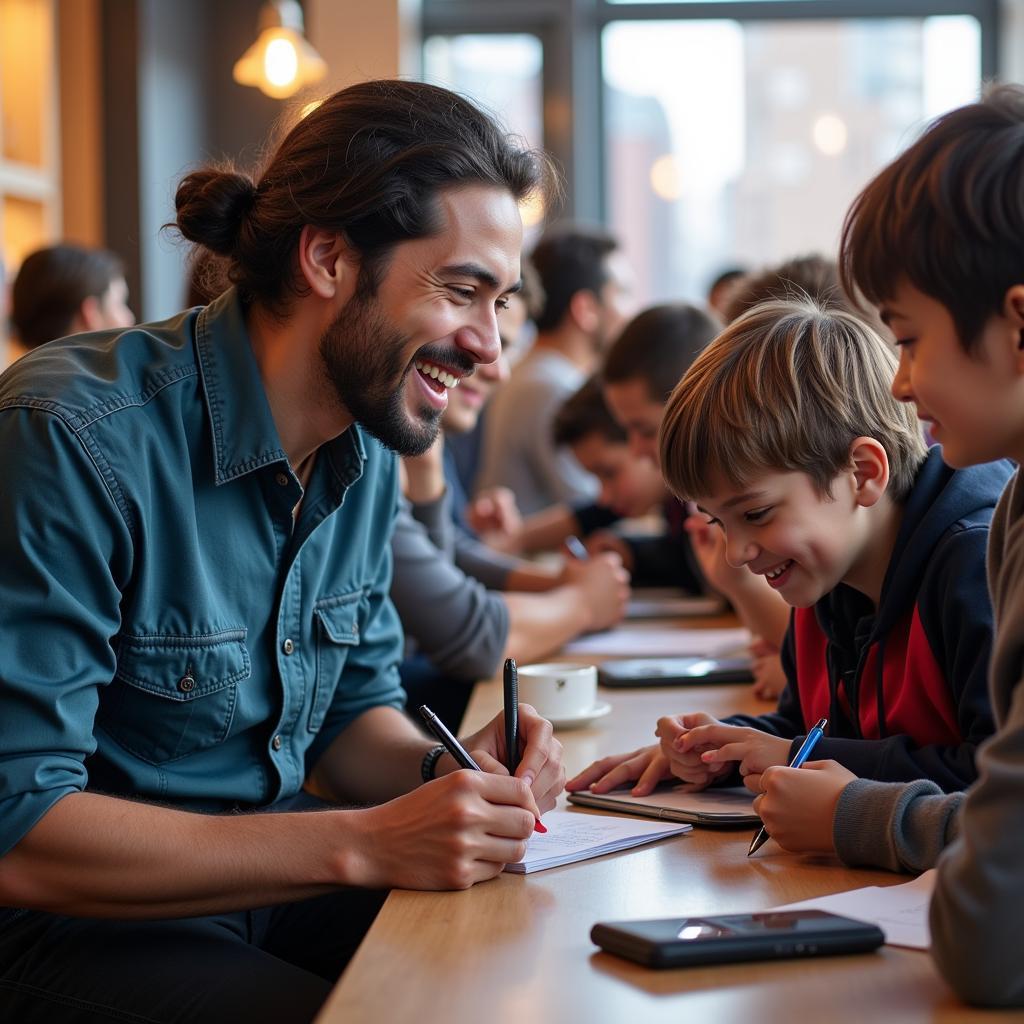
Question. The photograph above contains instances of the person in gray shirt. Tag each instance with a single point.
(586, 286)
(462, 625)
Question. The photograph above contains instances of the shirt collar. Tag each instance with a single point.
(244, 433)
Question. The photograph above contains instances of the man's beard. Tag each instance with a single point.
(363, 358)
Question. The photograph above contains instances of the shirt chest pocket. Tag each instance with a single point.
(174, 695)
(337, 632)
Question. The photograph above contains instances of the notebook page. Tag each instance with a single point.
(573, 836)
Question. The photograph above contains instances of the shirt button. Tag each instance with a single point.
(276, 743)
(187, 683)
(288, 646)
(282, 479)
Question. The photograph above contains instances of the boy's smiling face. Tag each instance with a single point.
(973, 403)
(803, 543)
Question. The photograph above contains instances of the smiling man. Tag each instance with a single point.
(194, 529)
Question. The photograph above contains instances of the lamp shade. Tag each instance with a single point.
(281, 61)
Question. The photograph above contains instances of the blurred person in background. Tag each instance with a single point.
(66, 289)
(587, 286)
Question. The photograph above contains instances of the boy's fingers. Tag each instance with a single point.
(728, 752)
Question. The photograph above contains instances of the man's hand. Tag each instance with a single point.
(540, 764)
(423, 475)
(495, 517)
(603, 588)
(798, 805)
(647, 766)
(447, 834)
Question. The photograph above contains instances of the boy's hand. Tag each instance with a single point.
(540, 765)
(687, 764)
(647, 766)
(601, 541)
(797, 805)
(769, 677)
(715, 747)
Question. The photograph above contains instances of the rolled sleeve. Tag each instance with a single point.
(63, 545)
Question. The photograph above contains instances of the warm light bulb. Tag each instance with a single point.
(830, 134)
(280, 62)
(667, 178)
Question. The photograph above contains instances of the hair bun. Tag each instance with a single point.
(211, 205)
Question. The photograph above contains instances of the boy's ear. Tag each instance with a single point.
(870, 470)
(327, 263)
(1013, 311)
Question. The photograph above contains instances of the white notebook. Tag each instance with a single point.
(572, 837)
(637, 641)
(725, 806)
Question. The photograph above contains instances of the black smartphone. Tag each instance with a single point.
(682, 942)
(735, 668)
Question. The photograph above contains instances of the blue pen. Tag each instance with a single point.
(802, 754)
(576, 548)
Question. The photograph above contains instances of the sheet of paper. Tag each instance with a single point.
(901, 911)
(632, 641)
(574, 836)
(656, 603)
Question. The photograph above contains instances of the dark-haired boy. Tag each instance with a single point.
(945, 266)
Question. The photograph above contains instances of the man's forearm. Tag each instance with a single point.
(376, 758)
(99, 856)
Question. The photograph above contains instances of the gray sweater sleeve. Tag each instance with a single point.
(454, 620)
(979, 890)
(901, 826)
(979, 893)
(476, 559)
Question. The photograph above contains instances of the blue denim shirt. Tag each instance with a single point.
(166, 630)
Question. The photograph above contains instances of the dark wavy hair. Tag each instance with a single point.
(947, 215)
(369, 162)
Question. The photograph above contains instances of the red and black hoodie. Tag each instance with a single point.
(904, 687)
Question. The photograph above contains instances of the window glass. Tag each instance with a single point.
(744, 142)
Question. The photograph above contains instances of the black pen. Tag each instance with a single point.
(456, 749)
(511, 679)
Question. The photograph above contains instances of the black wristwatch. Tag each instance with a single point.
(429, 763)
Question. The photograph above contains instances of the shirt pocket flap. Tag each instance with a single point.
(339, 617)
(184, 667)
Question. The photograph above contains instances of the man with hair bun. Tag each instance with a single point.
(194, 529)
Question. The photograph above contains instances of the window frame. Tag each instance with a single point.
(572, 75)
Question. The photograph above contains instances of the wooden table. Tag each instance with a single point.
(516, 950)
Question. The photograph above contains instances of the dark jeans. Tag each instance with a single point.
(276, 964)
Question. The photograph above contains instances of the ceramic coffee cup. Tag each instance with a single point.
(559, 691)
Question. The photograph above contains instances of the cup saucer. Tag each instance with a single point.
(581, 718)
